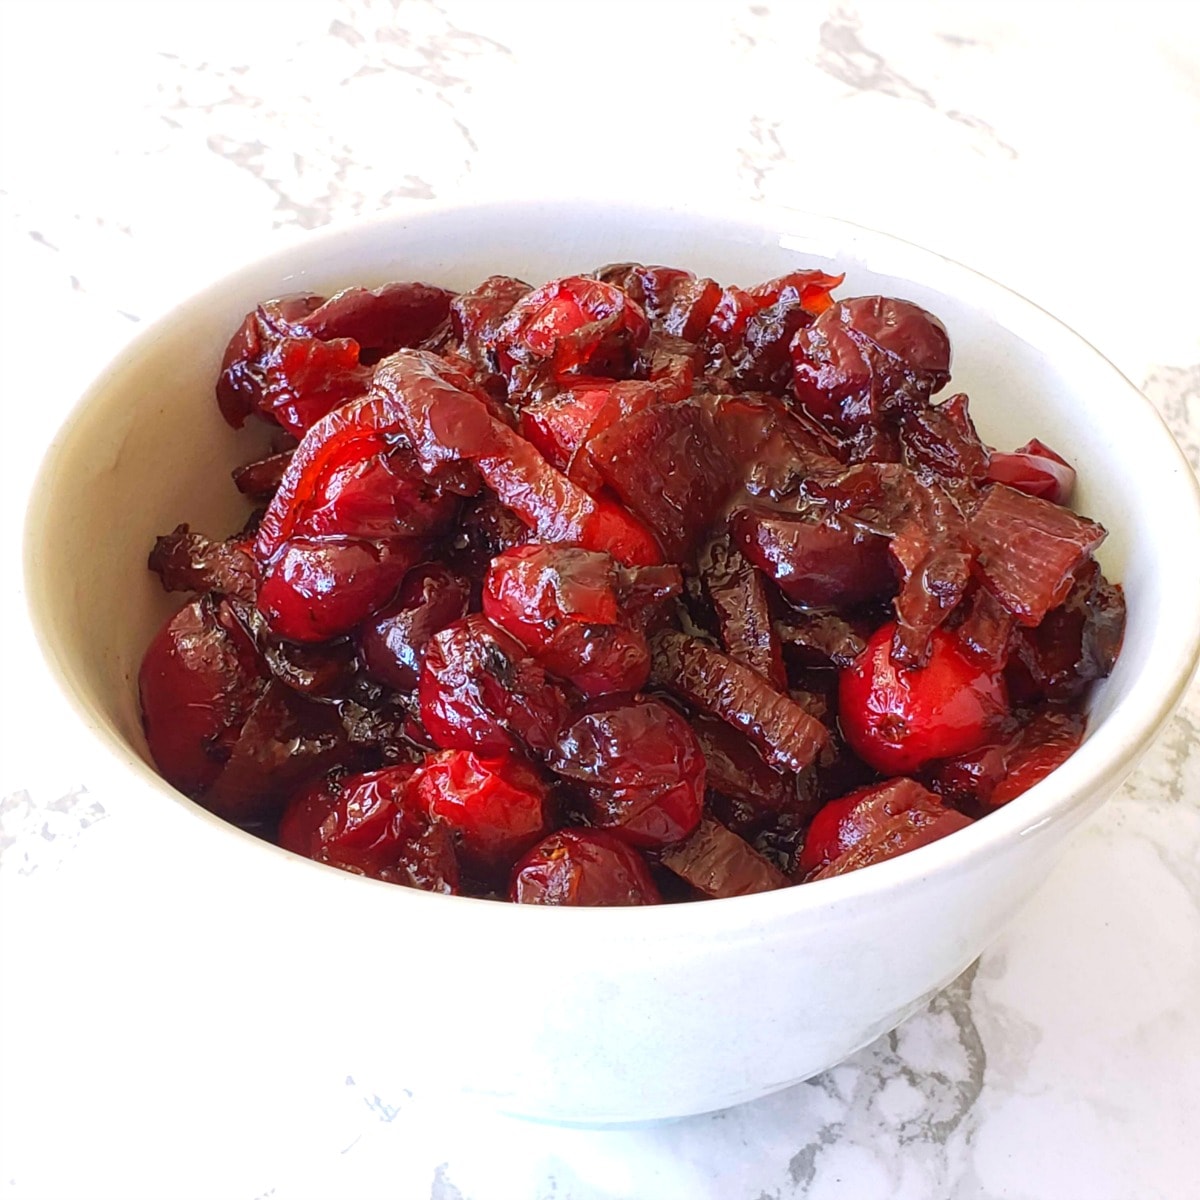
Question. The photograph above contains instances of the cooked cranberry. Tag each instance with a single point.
(677, 303)
(496, 805)
(640, 768)
(585, 867)
(1044, 745)
(380, 321)
(296, 359)
(480, 690)
(575, 326)
(345, 480)
(993, 775)
(762, 322)
(562, 604)
(818, 559)
(897, 719)
(198, 681)
(345, 816)
(280, 371)
(561, 511)
(667, 465)
(393, 640)
(285, 741)
(866, 354)
(318, 590)
(1036, 470)
(369, 825)
(447, 421)
(874, 824)
(561, 426)
(477, 316)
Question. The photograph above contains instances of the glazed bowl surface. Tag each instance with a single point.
(601, 1015)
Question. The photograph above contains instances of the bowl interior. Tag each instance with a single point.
(146, 448)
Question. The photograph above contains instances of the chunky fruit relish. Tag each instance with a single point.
(628, 588)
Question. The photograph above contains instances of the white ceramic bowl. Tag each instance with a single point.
(593, 1015)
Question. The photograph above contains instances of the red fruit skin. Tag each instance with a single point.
(531, 590)
(842, 824)
(860, 353)
(344, 818)
(296, 358)
(475, 316)
(582, 867)
(346, 480)
(480, 690)
(898, 720)
(675, 301)
(446, 421)
(368, 825)
(198, 681)
(824, 842)
(307, 379)
(561, 603)
(873, 825)
(820, 562)
(562, 425)
(559, 426)
(1034, 469)
(573, 325)
(393, 641)
(497, 805)
(599, 660)
(990, 777)
(382, 320)
(641, 768)
(316, 591)
(667, 465)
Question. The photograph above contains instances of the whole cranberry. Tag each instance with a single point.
(495, 804)
(198, 681)
(368, 824)
(864, 352)
(562, 604)
(640, 767)
(873, 824)
(480, 690)
(818, 559)
(897, 720)
(575, 325)
(393, 641)
(586, 867)
(344, 817)
(314, 591)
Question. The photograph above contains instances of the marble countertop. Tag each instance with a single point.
(147, 148)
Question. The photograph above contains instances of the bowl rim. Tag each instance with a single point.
(1068, 794)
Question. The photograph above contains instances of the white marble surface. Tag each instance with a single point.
(147, 147)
